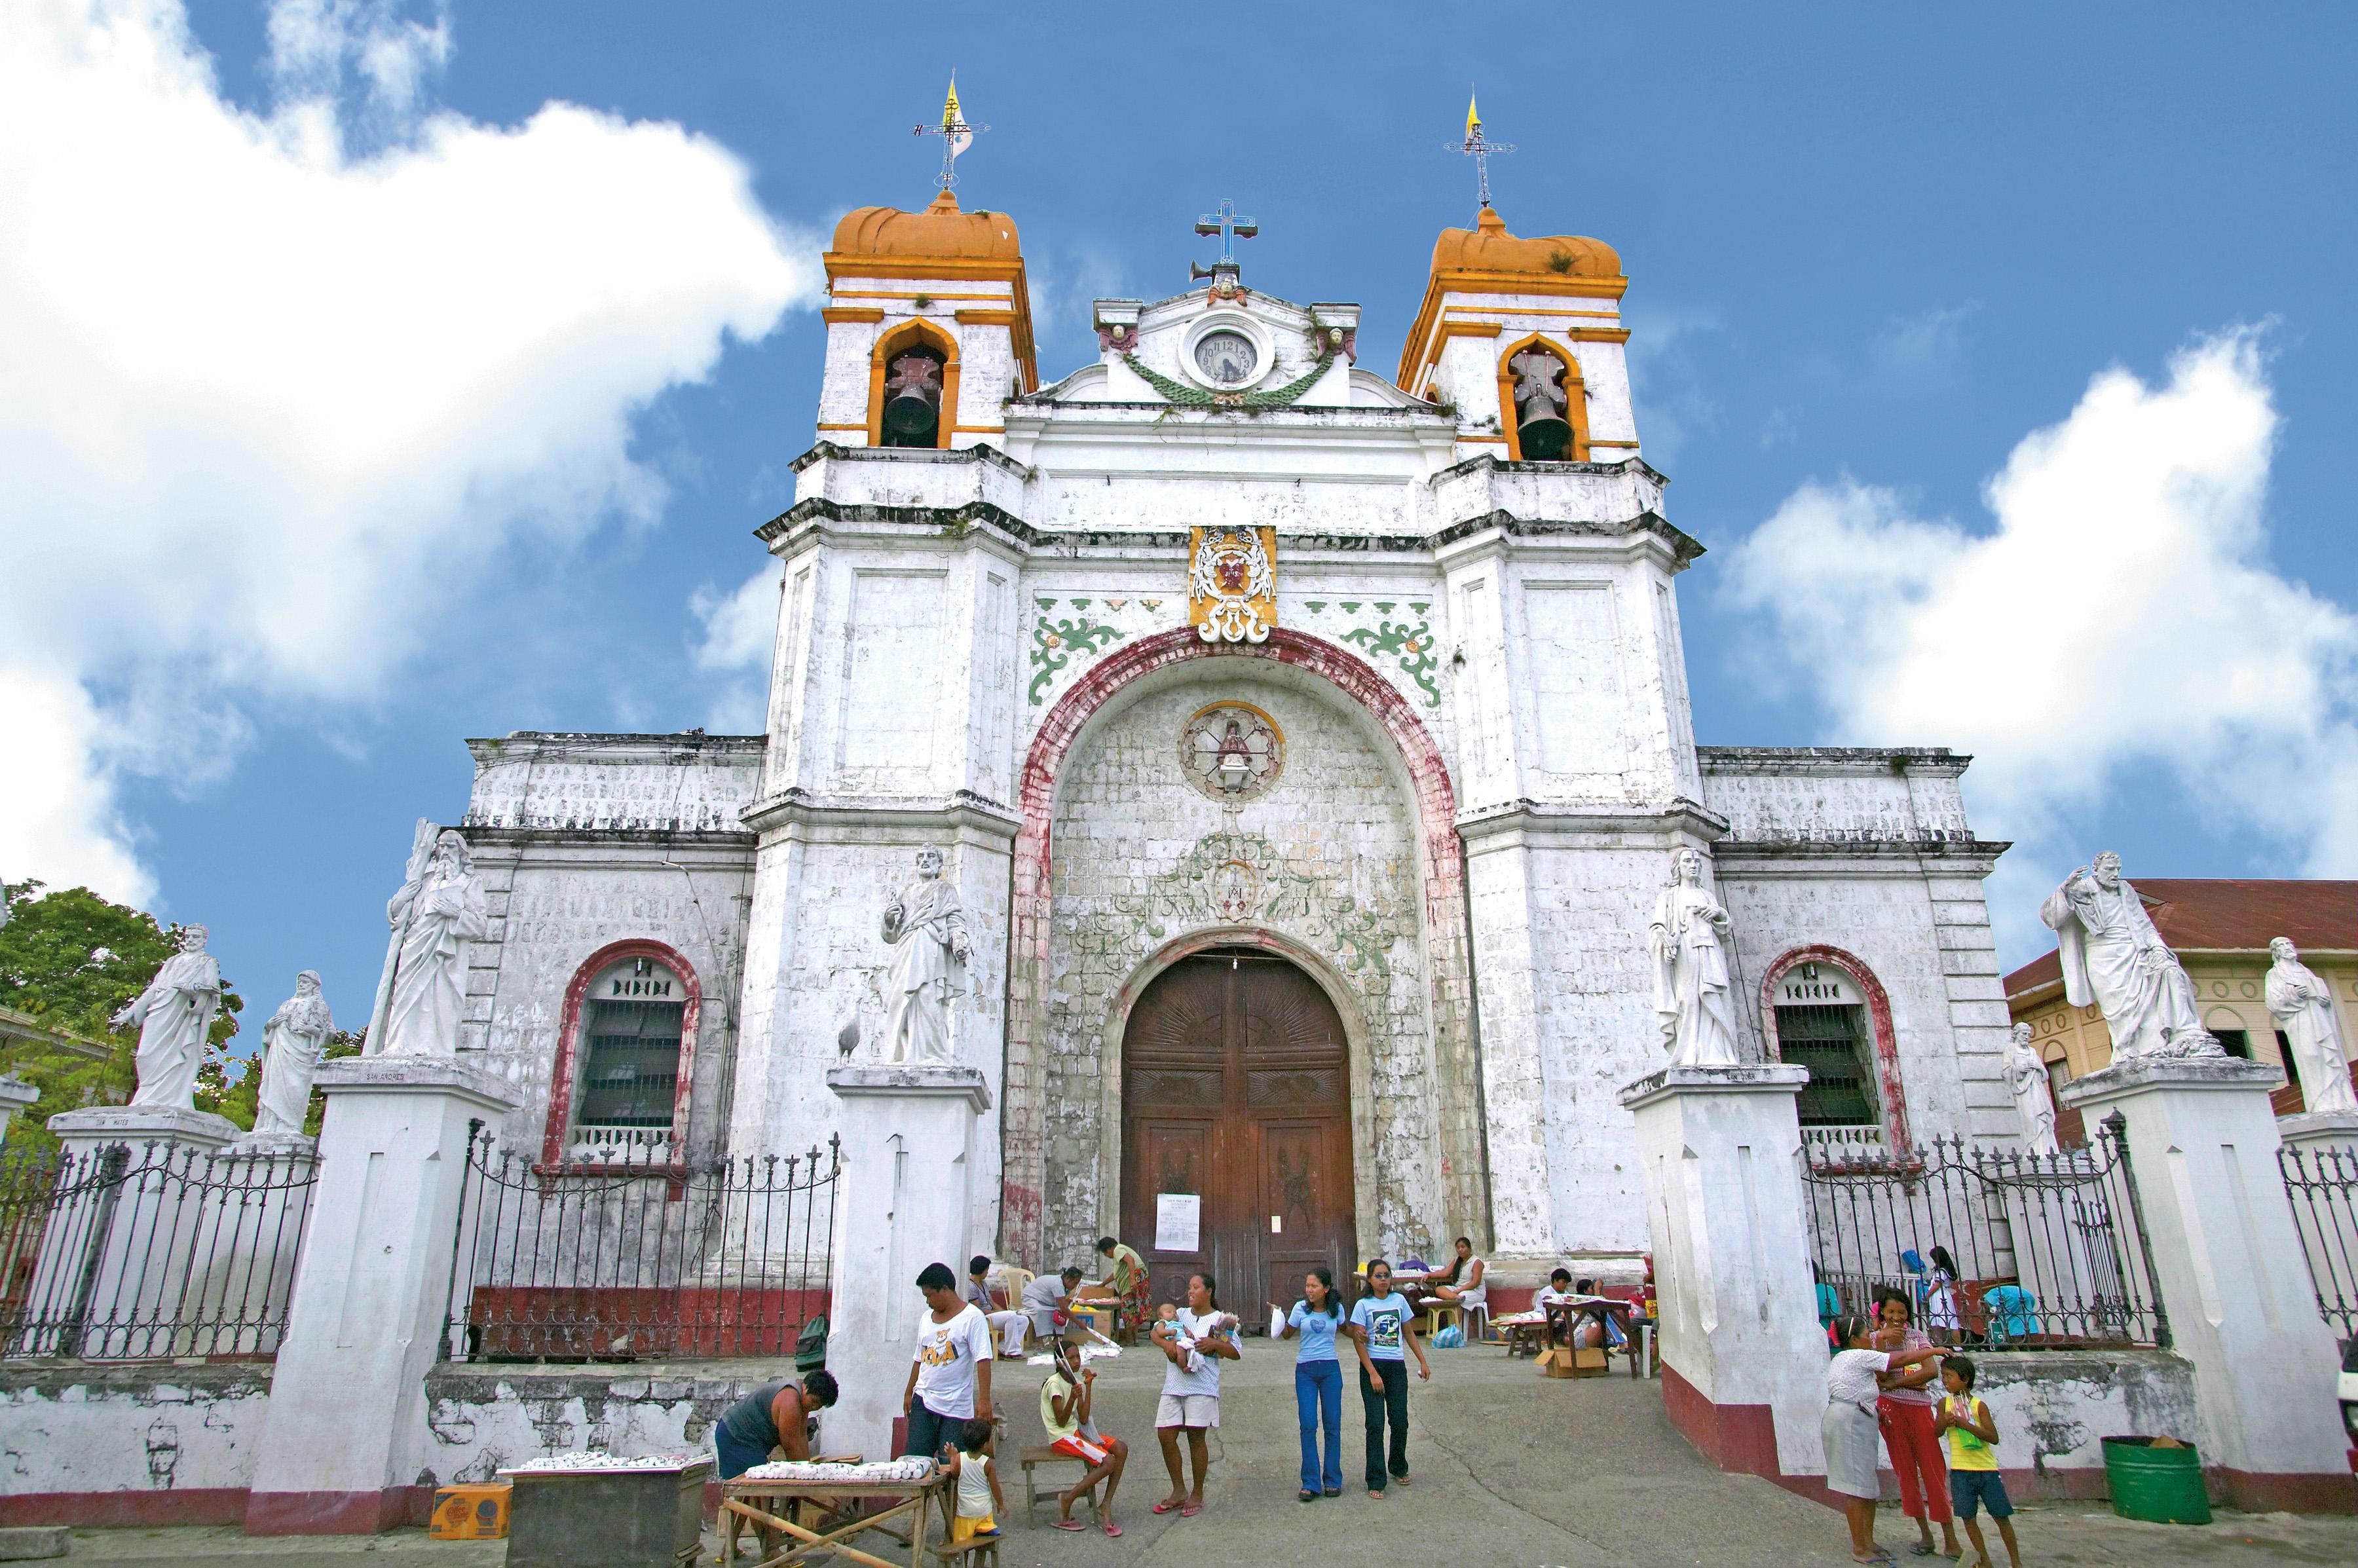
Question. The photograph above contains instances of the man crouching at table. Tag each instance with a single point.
(774, 1416)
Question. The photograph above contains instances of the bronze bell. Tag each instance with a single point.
(912, 401)
(1541, 429)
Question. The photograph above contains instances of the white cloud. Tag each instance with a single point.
(740, 630)
(2120, 631)
(265, 406)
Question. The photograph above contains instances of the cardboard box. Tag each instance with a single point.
(1556, 1362)
(1588, 1362)
(470, 1513)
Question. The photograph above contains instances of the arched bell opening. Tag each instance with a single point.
(913, 387)
(1542, 403)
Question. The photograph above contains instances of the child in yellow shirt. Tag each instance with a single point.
(1973, 1479)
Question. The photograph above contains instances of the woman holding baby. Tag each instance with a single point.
(1196, 1339)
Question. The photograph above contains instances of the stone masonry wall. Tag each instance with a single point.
(1333, 843)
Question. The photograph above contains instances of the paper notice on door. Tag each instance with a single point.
(1277, 1225)
(1178, 1222)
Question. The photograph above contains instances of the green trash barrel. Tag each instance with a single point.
(2159, 1486)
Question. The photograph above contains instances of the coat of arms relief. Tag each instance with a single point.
(1232, 584)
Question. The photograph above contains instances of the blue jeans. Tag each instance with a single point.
(1318, 1393)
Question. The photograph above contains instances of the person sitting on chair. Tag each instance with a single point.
(1008, 1325)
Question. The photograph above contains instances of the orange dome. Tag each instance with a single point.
(1488, 247)
(940, 230)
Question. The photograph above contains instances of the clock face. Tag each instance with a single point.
(1225, 359)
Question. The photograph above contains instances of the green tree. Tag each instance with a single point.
(72, 960)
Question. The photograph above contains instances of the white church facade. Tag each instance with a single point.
(1308, 749)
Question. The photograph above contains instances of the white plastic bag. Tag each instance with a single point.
(1276, 1322)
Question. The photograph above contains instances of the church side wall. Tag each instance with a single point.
(1870, 853)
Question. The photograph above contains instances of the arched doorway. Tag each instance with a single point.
(1236, 1090)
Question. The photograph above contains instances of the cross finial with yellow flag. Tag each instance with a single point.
(955, 133)
(1478, 147)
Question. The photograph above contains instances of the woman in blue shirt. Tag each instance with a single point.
(1383, 1328)
(1317, 1383)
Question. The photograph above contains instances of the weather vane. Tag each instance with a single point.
(1475, 147)
(955, 133)
(1231, 226)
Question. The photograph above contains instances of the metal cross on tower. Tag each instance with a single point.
(1478, 148)
(1231, 226)
(955, 133)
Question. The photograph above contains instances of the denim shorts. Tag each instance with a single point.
(1969, 1489)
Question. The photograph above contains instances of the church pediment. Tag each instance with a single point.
(1226, 346)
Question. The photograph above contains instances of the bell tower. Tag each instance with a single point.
(928, 328)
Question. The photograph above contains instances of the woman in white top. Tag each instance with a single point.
(1467, 1285)
(1196, 1345)
(1849, 1427)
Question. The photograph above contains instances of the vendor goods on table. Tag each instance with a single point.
(911, 1467)
(589, 1459)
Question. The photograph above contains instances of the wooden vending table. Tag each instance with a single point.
(836, 1505)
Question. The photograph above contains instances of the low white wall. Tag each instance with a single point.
(484, 1417)
(2054, 1407)
(129, 1445)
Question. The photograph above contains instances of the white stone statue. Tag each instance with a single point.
(436, 913)
(1689, 938)
(291, 1043)
(2025, 1074)
(173, 1014)
(2114, 958)
(2303, 1007)
(925, 926)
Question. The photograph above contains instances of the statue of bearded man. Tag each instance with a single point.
(435, 914)
(926, 927)
(2114, 958)
(2302, 1005)
(291, 1043)
(173, 1015)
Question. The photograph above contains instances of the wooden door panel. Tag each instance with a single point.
(1235, 1078)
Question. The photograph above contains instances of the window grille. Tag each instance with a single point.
(630, 1069)
(1830, 1039)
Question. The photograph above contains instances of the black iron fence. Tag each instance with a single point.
(134, 1251)
(2323, 1186)
(634, 1255)
(1995, 1249)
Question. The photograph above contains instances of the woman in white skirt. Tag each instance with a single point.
(1850, 1428)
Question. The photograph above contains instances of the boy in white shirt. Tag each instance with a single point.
(950, 1374)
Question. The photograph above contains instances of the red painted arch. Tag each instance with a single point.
(568, 1041)
(1443, 856)
(1878, 1013)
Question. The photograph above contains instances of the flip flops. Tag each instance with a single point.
(1071, 1524)
(1165, 1506)
(1112, 1530)
(1191, 1510)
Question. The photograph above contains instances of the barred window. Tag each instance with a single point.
(1831, 1040)
(631, 1038)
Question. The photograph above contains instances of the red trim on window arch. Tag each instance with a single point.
(568, 1041)
(1879, 1011)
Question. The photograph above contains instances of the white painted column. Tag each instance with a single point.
(907, 1200)
(1744, 1359)
(347, 1437)
(2227, 1260)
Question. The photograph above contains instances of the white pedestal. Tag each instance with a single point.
(15, 1094)
(907, 1200)
(1743, 1357)
(347, 1436)
(109, 1283)
(2318, 1132)
(2228, 1262)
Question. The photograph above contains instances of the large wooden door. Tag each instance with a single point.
(1235, 1089)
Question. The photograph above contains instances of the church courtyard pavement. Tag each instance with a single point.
(1508, 1469)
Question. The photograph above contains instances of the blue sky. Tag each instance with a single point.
(1872, 250)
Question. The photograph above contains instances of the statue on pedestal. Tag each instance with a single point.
(2114, 958)
(926, 927)
(436, 912)
(2025, 1074)
(1689, 940)
(291, 1043)
(2302, 1005)
(173, 1014)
